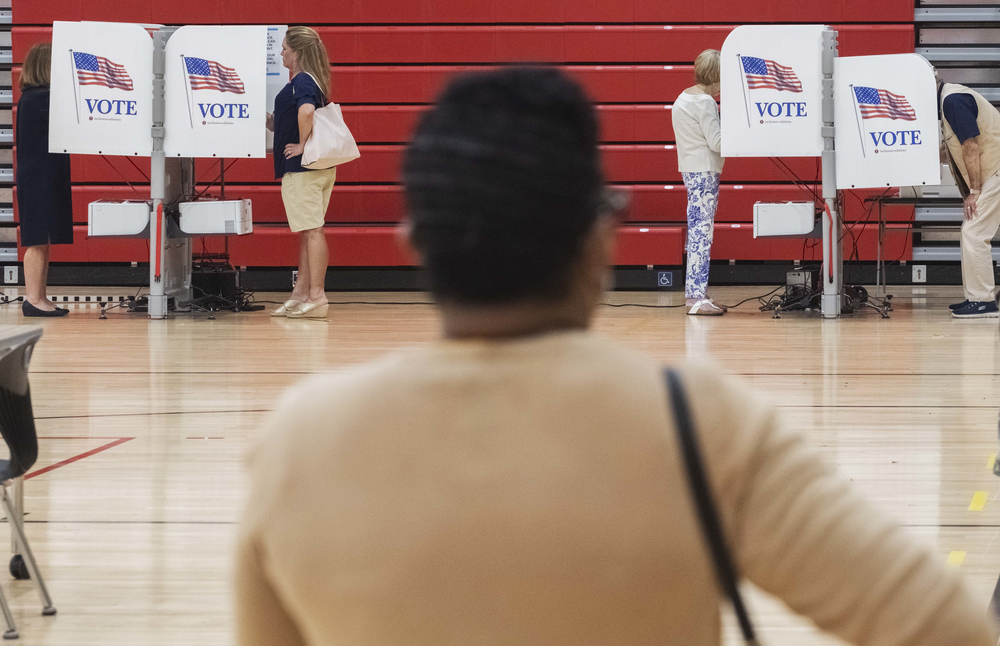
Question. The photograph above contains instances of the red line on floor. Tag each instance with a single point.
(81, 437)
(75, 458)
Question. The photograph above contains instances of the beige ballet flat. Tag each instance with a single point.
(289, 305)
(309, 311)
(705, 307)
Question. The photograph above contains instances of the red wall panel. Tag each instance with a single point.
(395, 123)
(668, 203)
(736, 242)
(260, 12)
(619, 123)
(555, 44)
(421, 84)
(567, 44)
(189, 12)
(504, 11)
(85, 249)
(349, 247)
(774, 11)
(41, 12)
(117, 10)
(23, 38)
(381, 164)
(660, 245)
(623, 52)
(379, 246)
(381, 204)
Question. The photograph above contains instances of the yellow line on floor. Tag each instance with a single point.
(991, 461)
(956, 558)
(979, 500)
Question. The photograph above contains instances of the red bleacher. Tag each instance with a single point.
(390, 59)
(318, 12)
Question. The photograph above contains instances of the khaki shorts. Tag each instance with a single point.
(306, 196)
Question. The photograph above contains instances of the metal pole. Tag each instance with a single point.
(157, 181)
(76, 84)
(857, 117)
(17, 501)
(187, 90)
(746, 91)
(833, 261)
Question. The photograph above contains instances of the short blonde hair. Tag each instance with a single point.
(311, 52)
(37, 66)
(706, 67)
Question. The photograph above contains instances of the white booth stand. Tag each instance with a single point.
(172, 94)
(871, 119)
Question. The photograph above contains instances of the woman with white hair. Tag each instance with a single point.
(699, 143)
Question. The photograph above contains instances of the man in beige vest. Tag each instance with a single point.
(970, 128)
(519, 481)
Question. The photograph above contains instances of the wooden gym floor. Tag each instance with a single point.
(143, 425)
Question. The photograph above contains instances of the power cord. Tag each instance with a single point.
(759, 299)
(615, 305)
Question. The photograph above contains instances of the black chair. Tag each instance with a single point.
(17, 427)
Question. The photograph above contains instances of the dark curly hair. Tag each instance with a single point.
(503, 183)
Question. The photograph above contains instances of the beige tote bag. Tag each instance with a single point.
(331, 142)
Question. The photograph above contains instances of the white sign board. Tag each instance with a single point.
(101, 100)
(216, 90)
(277, 73)
(887, 125)
(772, 91)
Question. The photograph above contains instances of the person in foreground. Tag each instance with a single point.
(970, 131)
(518, 481)
(44, 188)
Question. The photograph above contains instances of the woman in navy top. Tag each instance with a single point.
(44, 192)
(305, 193)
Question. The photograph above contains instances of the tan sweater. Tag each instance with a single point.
(531, 492)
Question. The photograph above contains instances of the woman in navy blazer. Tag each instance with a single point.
(44, 192)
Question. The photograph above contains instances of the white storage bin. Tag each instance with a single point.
(229, 217)
(129, 219)
(784, 219)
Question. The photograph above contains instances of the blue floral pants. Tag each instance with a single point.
(703, 198)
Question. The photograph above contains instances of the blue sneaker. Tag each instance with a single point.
(977, 310)
(958, 306)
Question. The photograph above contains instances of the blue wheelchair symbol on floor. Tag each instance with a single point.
(665, 278)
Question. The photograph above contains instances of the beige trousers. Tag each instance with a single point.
(977, 236)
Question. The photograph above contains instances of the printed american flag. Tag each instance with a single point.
(97, 70)
(882, 104)
(209, 75)
(762, 73)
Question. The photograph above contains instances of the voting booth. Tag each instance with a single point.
(887, 124)
(174, 95)
(871, 119)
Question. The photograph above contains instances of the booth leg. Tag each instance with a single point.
(158, 182)
(833, 262)
(833, 254)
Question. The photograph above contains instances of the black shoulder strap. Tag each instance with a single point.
(707, 513)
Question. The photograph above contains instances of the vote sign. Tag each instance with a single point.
(216, 91)
(886, 117)
(101, 90)
(772, 91)
(277, 73)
